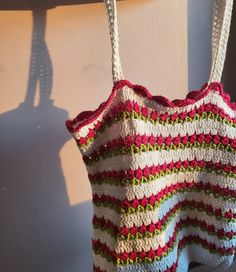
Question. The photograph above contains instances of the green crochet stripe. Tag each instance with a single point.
(133, 115)
(113, 152)
(120, 262)
(149, 234)
(204, 115)
(207, 192)
(150, 178)
(157, 204)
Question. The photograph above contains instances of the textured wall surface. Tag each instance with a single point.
(55, 63)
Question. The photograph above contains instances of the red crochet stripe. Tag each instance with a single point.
(154, 169)
(128, 106)
(138, 139)
(97, 244)
(125, 204)
(86, 117)
(107, 224)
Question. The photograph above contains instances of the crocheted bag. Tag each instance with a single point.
(162, 173)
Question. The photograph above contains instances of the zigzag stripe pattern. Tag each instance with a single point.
(163, 178)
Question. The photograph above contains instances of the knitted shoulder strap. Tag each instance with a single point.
(117, 73)
(221, 20)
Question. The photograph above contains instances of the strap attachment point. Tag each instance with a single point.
(117, 73)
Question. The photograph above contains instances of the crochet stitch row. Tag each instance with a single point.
(152, 229)
(138, 176)
(170, 269)
(86, 118)
(115, 116)
(156, 255)
(139, 143)
(144, 204)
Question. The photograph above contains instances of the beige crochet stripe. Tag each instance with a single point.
(162, 239)
(158, 184)
(108, 214)
(147, 217)
(159, 157)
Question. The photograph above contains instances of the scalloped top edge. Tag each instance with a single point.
(88, 116)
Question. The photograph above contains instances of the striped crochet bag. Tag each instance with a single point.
(162, 173)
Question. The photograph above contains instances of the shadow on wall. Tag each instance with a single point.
(39, 229)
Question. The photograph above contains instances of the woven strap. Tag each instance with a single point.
(221, 20)
(114, 36)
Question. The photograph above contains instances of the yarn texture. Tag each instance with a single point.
(163, 177)
(162, 173)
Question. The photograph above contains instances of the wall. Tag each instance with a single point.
(199, 42)
(55, 63)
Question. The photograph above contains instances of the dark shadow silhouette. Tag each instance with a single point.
(39, 230)
(32, 4)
